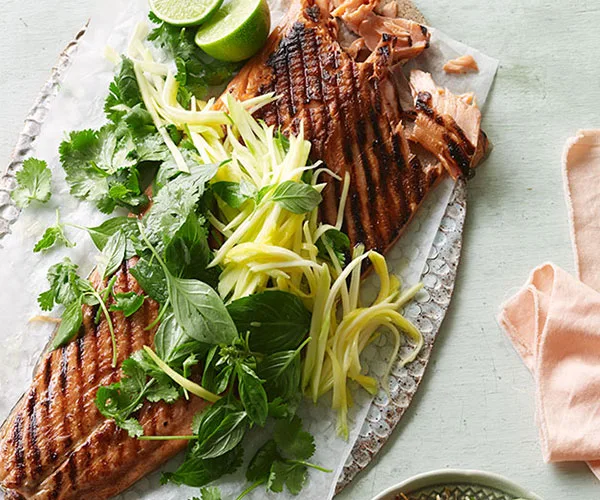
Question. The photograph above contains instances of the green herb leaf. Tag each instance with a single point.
(212, 493)
(101, 234)
(52, 236)
(259, 467)
(113, 254)
(34, 183)
(121, 400)
(200, 311)
(150, 276)
(292, 440)
(128, 303)
(233, 193)
(96, 162)
(339, 244)
(196, 71)
(188, 254)
(124, 92)
(282, 372)
(216, 378)
(291, 474)
(70, 325)
(197, 472)
(168, 339)
(228, 434)
(174, 204)
(296, 197)
(252, 394)
(276, 320)
(66, 286)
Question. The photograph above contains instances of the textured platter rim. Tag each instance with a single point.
(446, 256)
(448, 477)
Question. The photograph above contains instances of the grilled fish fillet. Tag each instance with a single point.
(56, 445)
(395, 136)
(335, 66)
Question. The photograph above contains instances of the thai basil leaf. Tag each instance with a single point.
(252, 394)
(277, 321)
(296, 197)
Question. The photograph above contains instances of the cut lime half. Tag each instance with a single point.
(184, 12)
(237, 31)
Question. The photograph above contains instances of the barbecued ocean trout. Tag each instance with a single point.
(338, 70)
(57, 445)
(395, 137)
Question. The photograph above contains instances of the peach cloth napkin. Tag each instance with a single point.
(554, 321)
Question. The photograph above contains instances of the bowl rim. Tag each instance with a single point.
(449, 476)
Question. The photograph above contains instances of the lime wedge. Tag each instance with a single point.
(184, 12)
(237, 31)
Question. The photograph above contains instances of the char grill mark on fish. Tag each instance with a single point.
(351, 112)
(56, 445)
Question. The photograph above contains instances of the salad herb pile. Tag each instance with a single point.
(259, 302)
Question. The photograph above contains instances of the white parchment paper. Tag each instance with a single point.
(79, 105)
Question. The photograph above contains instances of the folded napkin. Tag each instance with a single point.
(554, 321)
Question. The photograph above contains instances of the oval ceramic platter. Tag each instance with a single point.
(427, 312)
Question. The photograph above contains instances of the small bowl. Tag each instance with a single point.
(463, 483)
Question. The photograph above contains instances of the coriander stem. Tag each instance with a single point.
(250, 488)
(111, 328)
(308, 464)
(160, 316)
(167, 438)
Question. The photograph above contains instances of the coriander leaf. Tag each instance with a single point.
(228, 434)
(70, 325)
(175, 202)
(128, 303)
(139, 122)
(163, 392)
(278, 408)
(212, 493)
(292, 440)
(34, 183)
(252, 394)
(150, 276)
(196, 71)
(197, 472)
(339, 244)
(233, 193)
(292, 475)
(46, 300)
(124, 92)
(120, 400)
(296, 197)
(259, 467)
(132, 426)
(52, 236)
(113, 254)
(200, 311)
(99, 167)
(276, 320)
(66, 286)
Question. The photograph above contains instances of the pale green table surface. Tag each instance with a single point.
(475, 408)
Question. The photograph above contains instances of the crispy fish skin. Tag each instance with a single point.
(350, 109)
(56, 444)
